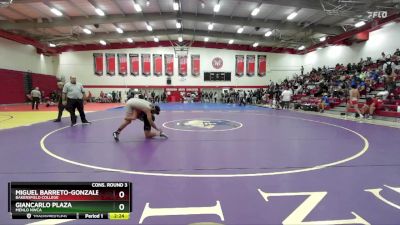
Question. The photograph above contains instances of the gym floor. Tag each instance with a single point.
(222, 164)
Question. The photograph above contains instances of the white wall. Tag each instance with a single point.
(21, 57)
(81, 65)
(382, 40)
(16, 56)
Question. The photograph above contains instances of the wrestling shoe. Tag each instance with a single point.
(162, 134)
(116, 136)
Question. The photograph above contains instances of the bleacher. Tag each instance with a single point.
(390, 106)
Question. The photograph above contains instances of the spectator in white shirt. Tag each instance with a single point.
(286, 97)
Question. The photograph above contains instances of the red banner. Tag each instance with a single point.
(134, 61)
(98, 63)
(122, 64)
(250, 65)
(262, 65)
(110, 62)
(157, 64)
(196, 65)
(182, 62)
(146, 64)
(239, 65)
(169, 64)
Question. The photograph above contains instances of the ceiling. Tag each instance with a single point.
(315, 19)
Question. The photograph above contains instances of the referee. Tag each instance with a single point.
(74, 98)
(36, 96)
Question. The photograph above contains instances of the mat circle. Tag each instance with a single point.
(255, 174)
(202, 125)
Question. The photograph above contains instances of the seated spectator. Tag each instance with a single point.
(89, 97)
(370, 106)
(397, 53)
(382, 59)
(368, 62)
(383, 94)
(374, 75)
(362, 86)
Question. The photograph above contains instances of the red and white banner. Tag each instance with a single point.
(250, 65)
(239, 71)
(169, 64)
(196, 65)
(110, 62)
(262, 65)
(157, 64)
(134, 64)
(122, 64)
(182, 65)
(98, 63)
(146, 69)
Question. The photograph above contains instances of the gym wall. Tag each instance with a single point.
(17, 60)
(81, 65)
(19, 57)
(385, 40)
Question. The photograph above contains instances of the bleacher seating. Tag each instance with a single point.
(334, 78)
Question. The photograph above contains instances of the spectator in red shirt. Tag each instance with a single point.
(370, 106)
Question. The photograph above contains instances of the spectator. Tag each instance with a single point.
(114, 96)
(383, 58)
(242, 98)
(153, 96)
(370, 106)
(323, 103)
(286, 98)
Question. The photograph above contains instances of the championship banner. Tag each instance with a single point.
(262, 65)
(169, 64)
(196, 65)
(182, 65)
(122, 64)
(134, 61)
(146, 64)
(157, 64)
(98, 63)
(110, 62)
(239, 65)
(250, 65)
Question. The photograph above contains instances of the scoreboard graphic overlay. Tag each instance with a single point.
(70, 200)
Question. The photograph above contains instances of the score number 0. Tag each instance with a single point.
(121, 194)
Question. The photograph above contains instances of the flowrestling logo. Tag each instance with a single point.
(377, 14)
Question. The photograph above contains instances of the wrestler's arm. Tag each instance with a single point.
(150, 119)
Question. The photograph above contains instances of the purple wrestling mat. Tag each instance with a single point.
(221, 164)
